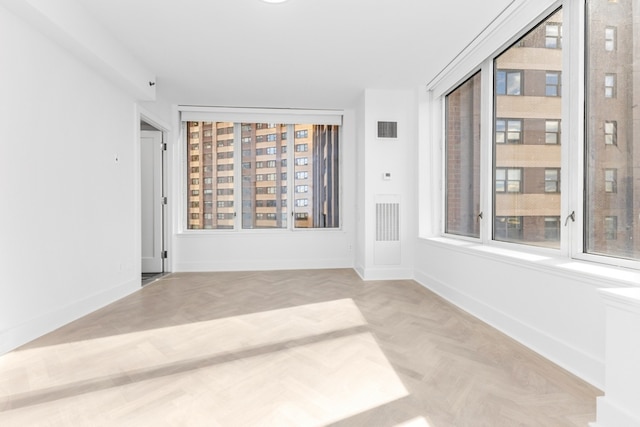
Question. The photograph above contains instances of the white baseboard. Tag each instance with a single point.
(572, 359)
(387, 273)
(14, 337)
(263, 265)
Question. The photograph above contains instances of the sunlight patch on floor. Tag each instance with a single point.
(305, 366)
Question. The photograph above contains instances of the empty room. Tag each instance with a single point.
(320, 213)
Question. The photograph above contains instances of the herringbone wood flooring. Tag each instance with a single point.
(285, 348)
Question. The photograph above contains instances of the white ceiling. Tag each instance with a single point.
(300, 54)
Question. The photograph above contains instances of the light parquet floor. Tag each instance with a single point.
(285, 348)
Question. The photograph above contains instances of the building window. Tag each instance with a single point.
(508, 82)
(610, 86)
(302, 202)
(302, 175)
(302, 134)
(611, 227)
(301, 161)
(508, 180)
(302, 147)
(508, 228)
(610, 39)
(508, 131)
(302, 188)
(552, 131)
(552, 228)
(271, 137)
(610, 180)
(552, 83)
(553, 35)
(611, 133)
(552, 180)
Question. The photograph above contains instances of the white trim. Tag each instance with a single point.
(260, 115)
(515, 20)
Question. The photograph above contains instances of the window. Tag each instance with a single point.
(508, 131)
(552, 228)
(610, 86)
(611, 132)
(610, 39)
(610, 227)
(612, 185)
(522, 170)
(552, 131)
(508, 82)
(508, 180)
(552, 84)
(463, 158)
(526, 166)
(610, 180)
(553, 35)
(225, 185)
(551, 180)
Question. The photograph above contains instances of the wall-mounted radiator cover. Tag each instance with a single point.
(386, 250)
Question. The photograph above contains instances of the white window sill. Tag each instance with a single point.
(600, 275)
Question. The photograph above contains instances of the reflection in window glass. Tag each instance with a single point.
(463, 159)
(527, 144)
(612, 207)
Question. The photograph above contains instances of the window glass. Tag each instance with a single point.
(463, 159)
(203, 182)
(316, 179)
(258, 184)
(527, 137)
(612, 205)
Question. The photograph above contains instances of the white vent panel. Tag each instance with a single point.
(388, 130)
(387, 245)
(387, 222)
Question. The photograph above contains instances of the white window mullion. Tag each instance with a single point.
(486, 161)
(572, 138)
(237, 175)
(291, 202)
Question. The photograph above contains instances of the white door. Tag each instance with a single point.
(152, 201)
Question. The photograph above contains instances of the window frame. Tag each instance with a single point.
(479, 56)
(249, 115)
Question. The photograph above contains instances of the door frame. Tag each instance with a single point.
(143, 115)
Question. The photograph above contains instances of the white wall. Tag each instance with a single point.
(68, 173)
(551, 309)
(268, 249)
(397, 157)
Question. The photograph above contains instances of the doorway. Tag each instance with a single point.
(153, 202)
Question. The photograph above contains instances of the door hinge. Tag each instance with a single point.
(165, 201)
(164, 255)
(164, 146)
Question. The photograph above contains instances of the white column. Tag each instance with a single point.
(620, 406)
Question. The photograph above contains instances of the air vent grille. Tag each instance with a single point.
(387, 222)
(387, 129)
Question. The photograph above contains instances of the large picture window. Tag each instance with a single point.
(248, 185)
